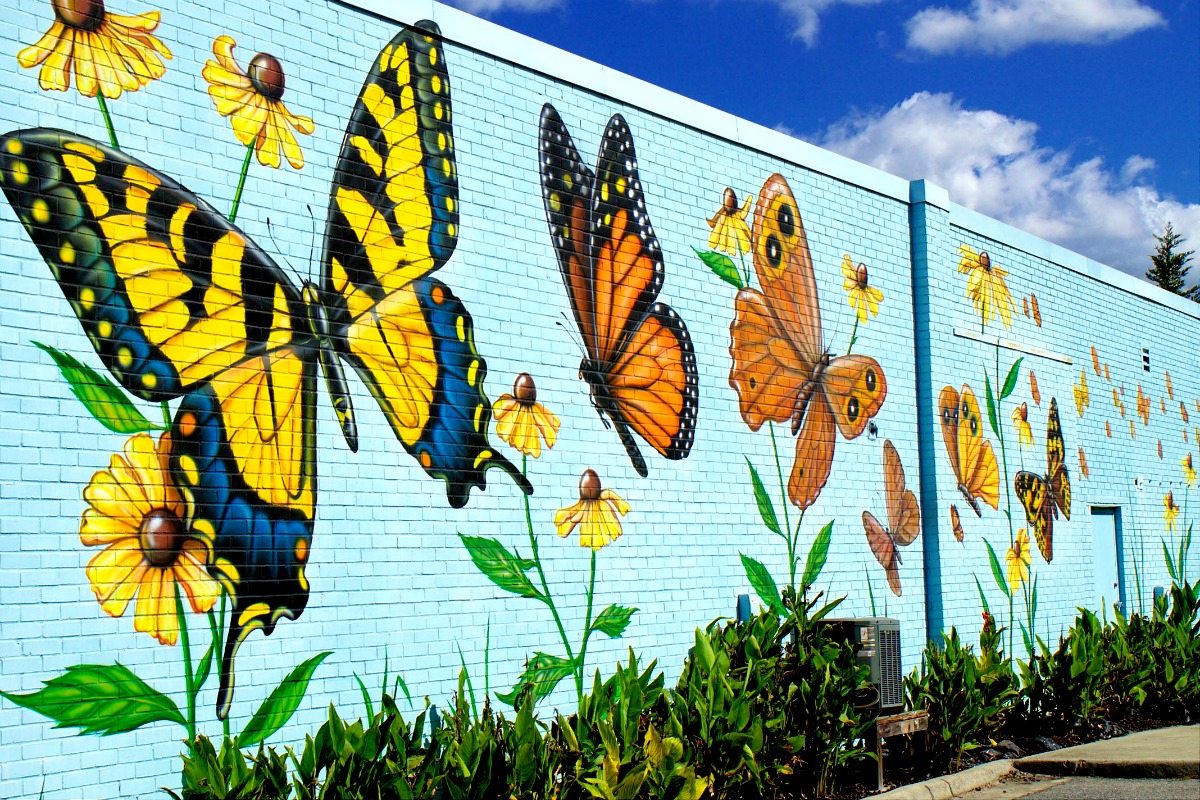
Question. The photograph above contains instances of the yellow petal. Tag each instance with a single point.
(110, 498)
(56, 72)
(97, 529)
(202, 589)
(40, 50)
(547, 424)
(115, 574)
(565, 519)
(249, 121)
(612, 497)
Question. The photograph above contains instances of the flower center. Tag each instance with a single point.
(860, 275)
(161, 537)
(85, 15)
(985, 261)
(524, 389)
(729, 201)
(266, 75)
(589, 485)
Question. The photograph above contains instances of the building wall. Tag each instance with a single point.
(376, 567)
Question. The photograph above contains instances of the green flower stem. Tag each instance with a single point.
(237, 196)
(587, 630)
(745, 269)
(853, 333)
(112, 134)
(166, 412)
(189, 677)
(787, 524)
(1007, 489)
(548, 599)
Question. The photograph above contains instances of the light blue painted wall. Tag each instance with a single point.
(390, 579)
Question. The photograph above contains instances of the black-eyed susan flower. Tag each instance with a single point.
(522, 421)
(108, 53)
(730, 233)
(1170, 511)
(1017, 560)
(986, 288)
(1020, 420)
(1189, 471)
(597, 514)
(862, 296)
(144, 523)
(252, 99)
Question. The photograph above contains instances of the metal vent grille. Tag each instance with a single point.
(891, 681)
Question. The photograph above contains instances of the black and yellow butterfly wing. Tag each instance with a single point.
(1043, 497)
(640, 364)
(393, 220)
(179, 303)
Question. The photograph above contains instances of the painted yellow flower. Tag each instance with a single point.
(144, 523)
(1189, 471)
(522, 421)
(730, 233)
(252, 100)
(863, 297)
(985, 286)
(1017, 560)
(109, 53)
(1170, 511)
(1020, 419)
(596, 513)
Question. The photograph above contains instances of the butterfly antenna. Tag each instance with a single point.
(572, 333)
(312, 238)
(279, 250)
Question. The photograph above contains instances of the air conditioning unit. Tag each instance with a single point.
(876, 643)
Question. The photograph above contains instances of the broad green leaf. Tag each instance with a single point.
(99, 699)
(106, 401)
(506, 570)
(613, 621)
(982, 598)
(721, 265)
(206, 661)
(1170, 561)
(1026, 639)
(762, 582)
(542, 674)
(766, 509)
(283, 701)
(993, 420)
(1033, 602)
(997, 572)
(1010, 382)
(817, 556)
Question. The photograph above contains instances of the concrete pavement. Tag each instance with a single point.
(1166, 753)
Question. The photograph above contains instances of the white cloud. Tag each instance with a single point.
(1002, 26)
(806, 15)
(992, 163)
(485, 7)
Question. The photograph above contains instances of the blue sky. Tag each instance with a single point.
(1076, 120)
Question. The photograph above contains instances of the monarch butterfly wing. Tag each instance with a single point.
(785, 269)
(767, 372)
(176, 301)
(814, 452)
(904, 515)
(567, 195)
(855, 388)
(980, 476)
(956, 524)
(884, 550)
(949, 404)
(1032, 492)
(654, 383)
(1058, 480)
(393, 219)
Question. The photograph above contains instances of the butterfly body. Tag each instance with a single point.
(180, 304)
(782, 370)
(639, 363)
(1044, 496)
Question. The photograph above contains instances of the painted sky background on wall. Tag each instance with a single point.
(1075, 120)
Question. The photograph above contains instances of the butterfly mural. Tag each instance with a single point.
(956, 524)
(782, 370)
(181, 304)
(1044, 496)
(972, 459)
(903, 515)
(639, 362)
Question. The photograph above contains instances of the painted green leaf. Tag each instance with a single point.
(1033, 603)
(111, 407)
(99, 699)
(506, 570)
(542, 673)
(1010, 382)
(761, 581)
(993, 420)
(817, 556)
(766, 509)
(613, 621)
(722, 265)
(997, 572)
(1170, 561)
(982, 597)
(206, 661)
(283, 701)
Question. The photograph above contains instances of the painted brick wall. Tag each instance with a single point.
(390, 580)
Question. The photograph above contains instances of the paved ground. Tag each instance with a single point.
(1162, 753)
(1049, 788)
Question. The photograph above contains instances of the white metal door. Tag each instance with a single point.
(1104, 556)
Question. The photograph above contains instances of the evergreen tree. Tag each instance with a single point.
(1170, 265)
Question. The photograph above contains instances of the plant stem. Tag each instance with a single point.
(166, 412)
(587, 630)
(189, 677)
(745, 269)
(237, 196)
(537, 560)
(853, 334)
(112, 134)
(1007, 492)
(787, 524)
